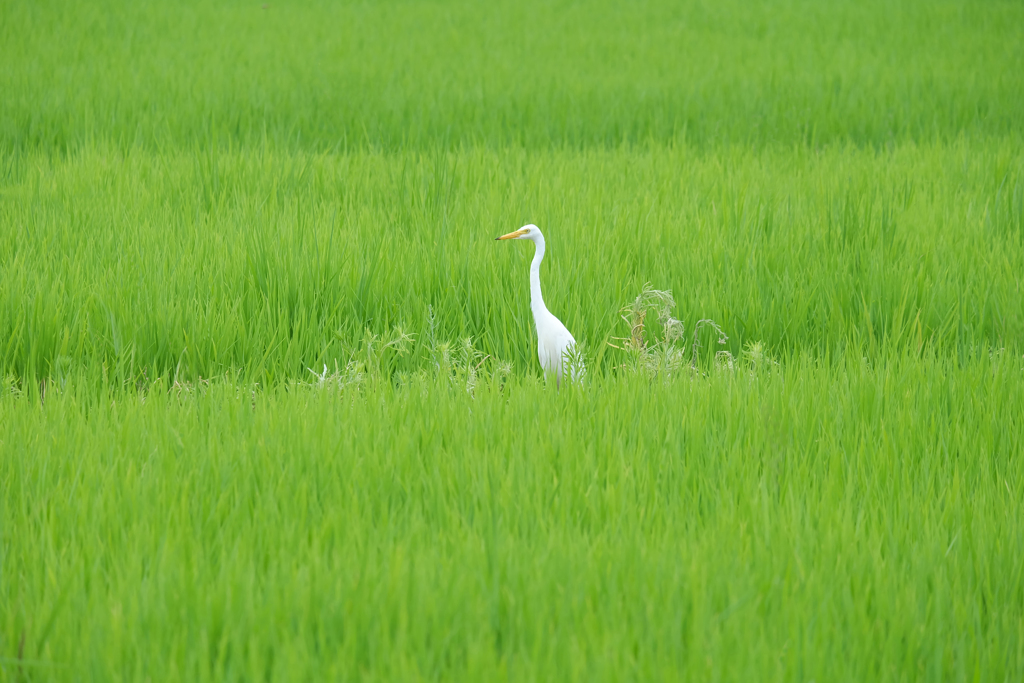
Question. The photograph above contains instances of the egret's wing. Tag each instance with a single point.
(553, 342)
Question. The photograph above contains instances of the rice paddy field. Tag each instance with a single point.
(270, 404)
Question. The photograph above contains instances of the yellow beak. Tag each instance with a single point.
(511, 235)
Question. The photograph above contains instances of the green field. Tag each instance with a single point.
(271, 407)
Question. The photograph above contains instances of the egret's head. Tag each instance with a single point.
(527, 232)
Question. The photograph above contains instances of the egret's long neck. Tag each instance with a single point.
(536, 299)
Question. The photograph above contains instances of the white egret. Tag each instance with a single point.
(554, 342)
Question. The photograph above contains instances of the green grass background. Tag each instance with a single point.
(199, 202)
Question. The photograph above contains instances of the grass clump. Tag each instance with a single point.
(665, 356)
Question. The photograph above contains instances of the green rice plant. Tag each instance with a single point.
(834, 520)
(393, 76)
(107, 263)
(270, 404)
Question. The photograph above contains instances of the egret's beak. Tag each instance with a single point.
(510, 236)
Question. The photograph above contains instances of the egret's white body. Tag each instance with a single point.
(554, 341)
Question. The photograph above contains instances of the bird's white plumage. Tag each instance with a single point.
(554, 341)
